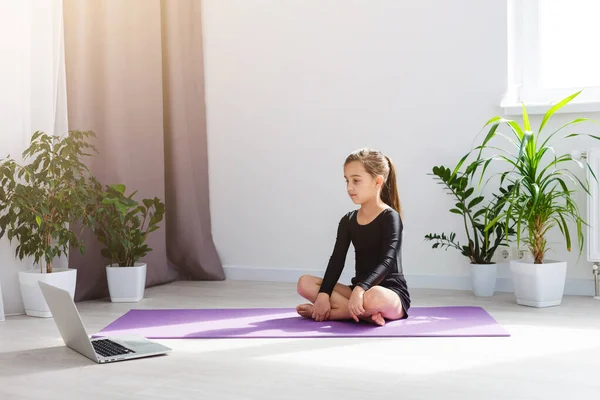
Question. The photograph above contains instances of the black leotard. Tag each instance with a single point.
(378, 246)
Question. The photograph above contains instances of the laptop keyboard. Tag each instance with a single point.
(108, 348)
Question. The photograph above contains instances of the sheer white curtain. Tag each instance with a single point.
(32, 97)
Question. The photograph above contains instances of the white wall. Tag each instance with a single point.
(292, 87)
(33, 97)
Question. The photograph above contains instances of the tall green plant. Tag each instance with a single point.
(122, 224)
(476, 215)
(541, 197)
(40, 198)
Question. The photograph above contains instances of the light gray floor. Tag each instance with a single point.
(554, 353)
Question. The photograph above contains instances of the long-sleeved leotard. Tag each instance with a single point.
(378, 248)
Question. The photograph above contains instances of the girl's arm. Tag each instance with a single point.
(390, 247)
(338, 257)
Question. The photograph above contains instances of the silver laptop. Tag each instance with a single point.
(100, 350)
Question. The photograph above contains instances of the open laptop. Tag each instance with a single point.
(102, 349)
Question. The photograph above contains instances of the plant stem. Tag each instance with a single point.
(465, 213)
(538, 241)
(144, 220)
(48, 262)
(449, 243)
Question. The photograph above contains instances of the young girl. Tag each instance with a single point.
(378, 290)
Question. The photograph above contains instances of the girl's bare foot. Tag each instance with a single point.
(376, 319)
(305, 310)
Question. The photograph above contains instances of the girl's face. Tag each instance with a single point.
(361, 186)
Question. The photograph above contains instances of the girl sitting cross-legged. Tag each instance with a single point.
(378, 291)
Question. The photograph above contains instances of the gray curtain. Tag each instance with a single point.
(135, 77)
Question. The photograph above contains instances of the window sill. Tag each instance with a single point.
(513, 106)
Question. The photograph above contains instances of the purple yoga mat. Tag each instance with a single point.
(286, 323)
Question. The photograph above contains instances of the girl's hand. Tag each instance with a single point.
(321, 308)
(355, 303)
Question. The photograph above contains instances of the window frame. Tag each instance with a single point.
(522, 64)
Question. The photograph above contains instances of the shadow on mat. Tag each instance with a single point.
(282, 322)
(139, 318)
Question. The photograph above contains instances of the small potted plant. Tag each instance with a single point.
(122, 225)
(476, 214)
(38, 200)
(542, 198)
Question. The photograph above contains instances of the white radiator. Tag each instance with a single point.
(593, 207)
(593, 217)
(593, 212)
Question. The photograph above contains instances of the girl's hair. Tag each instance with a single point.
(376, 163)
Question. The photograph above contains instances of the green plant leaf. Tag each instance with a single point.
(575, 121)
(475, 201)
(516, 129)
(119, 188)
(526, 124)
(555, 108)
(148, 203)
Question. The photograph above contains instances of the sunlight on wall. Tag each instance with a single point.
(33, 97)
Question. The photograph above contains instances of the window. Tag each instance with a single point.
(553, 51)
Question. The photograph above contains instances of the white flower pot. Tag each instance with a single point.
(483, 279)
(126, 284)
(33, 299)
(539, 285)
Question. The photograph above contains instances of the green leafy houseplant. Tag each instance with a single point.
(540, 198)
(38, 199)
(122, 224)
(476, 215)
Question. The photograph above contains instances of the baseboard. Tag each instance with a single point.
(244, 273)
(573, 287)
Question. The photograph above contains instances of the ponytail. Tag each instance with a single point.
(389, 192)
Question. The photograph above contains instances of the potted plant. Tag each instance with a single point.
(122, 225)
(541, 199)
(38, 200)
(476, 214)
